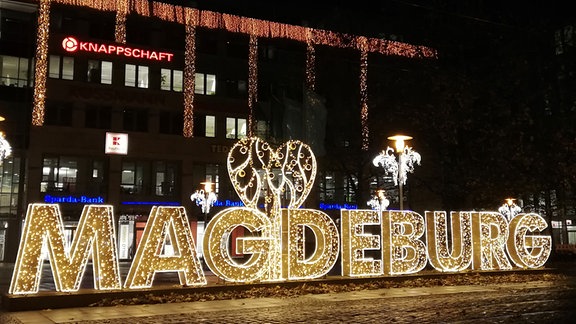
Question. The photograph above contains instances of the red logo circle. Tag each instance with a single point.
(70, 44)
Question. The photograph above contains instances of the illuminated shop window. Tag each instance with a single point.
(235, 128)
(100, 72)
(136, 75)
(61, 67)
(205, 84)
(171, 80)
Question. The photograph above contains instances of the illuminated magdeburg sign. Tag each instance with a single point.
(399, 241)
(71, 44)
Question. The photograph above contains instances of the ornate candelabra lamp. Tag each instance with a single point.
(399, 169)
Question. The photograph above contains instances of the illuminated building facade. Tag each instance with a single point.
(135, 103)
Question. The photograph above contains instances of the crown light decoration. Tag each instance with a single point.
(275, 242)
(400, 168)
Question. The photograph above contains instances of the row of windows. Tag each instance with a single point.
(138, 120)
(62, 67)
(72, 174)
(87, 176)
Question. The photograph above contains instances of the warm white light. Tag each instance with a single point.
(165, 222)
(489, 234)
(95, 237)
(404, 251)
(442, 255)
(399, 142)
(528, 251)
(356, 241)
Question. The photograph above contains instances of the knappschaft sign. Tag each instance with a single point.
(274, 243)
(72, 44)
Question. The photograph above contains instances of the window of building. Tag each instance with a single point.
(235, 128)
(100, 72)
(212, 176)
(204, 125)
(9, 186)
(58, 114)
(14, 71)
(236, 88)
(136, 75)
(571, 231)
(98, 117)
(135, 178)
(61, 67)
(135, 120)
(70, 174)
(210, 126)
(205, 84)
(164, 178)
(171, 123)
(149, 178)
(327, 187)
(171, 80)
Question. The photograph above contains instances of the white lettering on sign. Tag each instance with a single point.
(71, 44)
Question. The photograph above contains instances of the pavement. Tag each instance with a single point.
(252, 309)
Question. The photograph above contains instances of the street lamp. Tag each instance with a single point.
(379, 201)
(509, 209)
(399, 169)
(205, 198)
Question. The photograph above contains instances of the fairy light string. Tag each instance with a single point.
(189, 71)
(363, 46)
(256, 28)
(121, 13)
(310, 61)
(41, 69)
(252, 82)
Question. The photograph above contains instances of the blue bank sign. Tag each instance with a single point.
(73, 199)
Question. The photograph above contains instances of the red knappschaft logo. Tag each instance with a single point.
(70, 44)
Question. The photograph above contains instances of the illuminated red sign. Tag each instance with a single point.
(71, 44)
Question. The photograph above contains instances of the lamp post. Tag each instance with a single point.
(399, 169)
(205, 198)
(509, 209)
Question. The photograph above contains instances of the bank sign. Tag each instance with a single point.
(72, 44)
(275, 243)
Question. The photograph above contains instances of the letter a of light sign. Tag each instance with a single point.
(275, 244)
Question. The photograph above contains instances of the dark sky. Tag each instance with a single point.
(373, 17)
